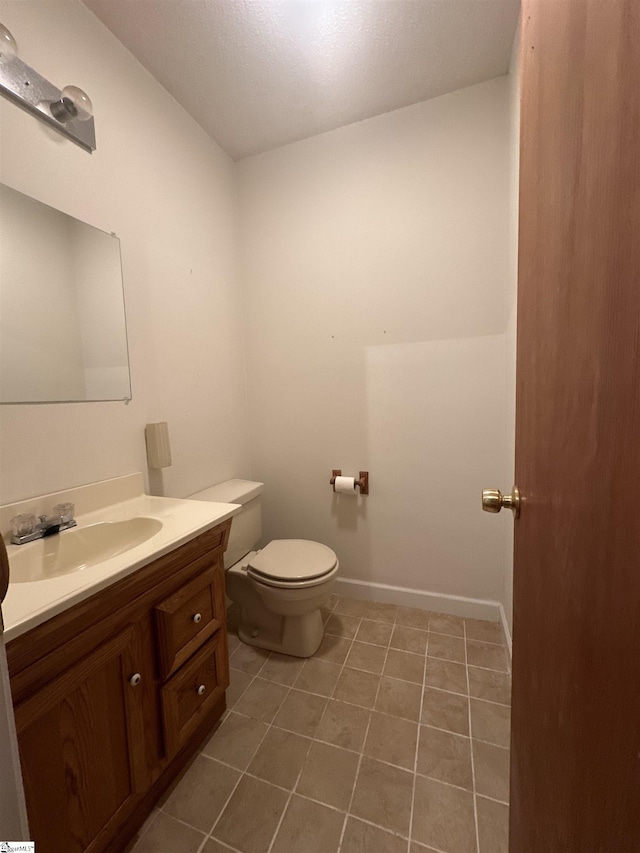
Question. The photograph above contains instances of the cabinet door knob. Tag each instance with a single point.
(197, 617)
(135, 679)
(201, 690)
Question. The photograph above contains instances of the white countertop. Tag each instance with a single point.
(29, 604)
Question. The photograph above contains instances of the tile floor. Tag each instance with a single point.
(393, 738)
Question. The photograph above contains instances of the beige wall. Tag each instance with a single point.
(169, 193)
(375, 268)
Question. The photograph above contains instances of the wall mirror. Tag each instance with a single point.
(63, 335)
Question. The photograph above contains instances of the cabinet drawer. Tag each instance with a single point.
(189, 695)
(189, 617)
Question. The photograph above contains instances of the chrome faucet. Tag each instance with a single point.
(25, 528)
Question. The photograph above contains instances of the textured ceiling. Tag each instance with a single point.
(257, 74)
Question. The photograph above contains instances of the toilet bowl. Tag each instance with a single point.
(279, 589)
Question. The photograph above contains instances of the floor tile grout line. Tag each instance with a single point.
(188, 825)
(292, 792)
(364, 742)
(428, 630)
(253, 755)
(488, 643)
(378, 675)
(466, 737)
(488, 701)
(223, 843)
(329, 805)
(351, 752)
(446, 731)
(415, 762)
(363, 642)
(289, 798)
(344, 666)
(233, 790)
(490, 743)
(399, 648)
(227, 846)
(346, 701)
(244, 773)
(370, 711)
(489, 669)
(397, 677)
(415, 654)
(182, 823)
(378, 826)
(443, 782)
(233, 709)
(391, 649)
(313, 739)
(493, 799)
(253, 675)
(473, 769)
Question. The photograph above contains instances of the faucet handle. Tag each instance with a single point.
(23, 524)
(64, 512)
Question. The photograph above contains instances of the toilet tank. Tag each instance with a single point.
(246, 527)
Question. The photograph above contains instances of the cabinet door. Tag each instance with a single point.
(81, 740)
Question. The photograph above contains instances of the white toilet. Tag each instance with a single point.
(281, 588)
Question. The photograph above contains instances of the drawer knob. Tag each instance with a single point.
(135, 679)
(201, 690)
(197, 617)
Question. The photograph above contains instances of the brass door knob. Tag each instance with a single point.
(493, 500)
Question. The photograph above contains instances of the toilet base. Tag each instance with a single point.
(297, 632)
(300, 636)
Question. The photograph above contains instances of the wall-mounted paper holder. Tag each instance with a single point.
(362, 482)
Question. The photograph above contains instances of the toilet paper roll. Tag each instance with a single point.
(346, 485)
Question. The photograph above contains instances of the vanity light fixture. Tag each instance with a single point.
(68, 110)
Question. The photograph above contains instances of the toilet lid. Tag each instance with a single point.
(293, 560)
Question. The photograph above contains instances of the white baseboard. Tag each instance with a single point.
(456, 605)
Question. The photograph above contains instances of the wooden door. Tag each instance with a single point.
(81, 740)
(4, 573)
(575, 782)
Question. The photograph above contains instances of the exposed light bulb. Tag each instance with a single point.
(8, 46)
(74, 104)
(80, 102)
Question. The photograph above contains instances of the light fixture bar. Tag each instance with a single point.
(25, 87)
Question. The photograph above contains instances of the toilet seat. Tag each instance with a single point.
(293, 563)
(291, 586)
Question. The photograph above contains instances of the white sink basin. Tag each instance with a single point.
(75, 549)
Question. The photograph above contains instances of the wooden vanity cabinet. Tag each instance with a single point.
(114, 695)
(81, 743)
